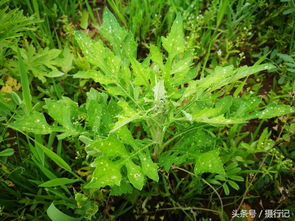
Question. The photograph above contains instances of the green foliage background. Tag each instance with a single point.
(169, 110)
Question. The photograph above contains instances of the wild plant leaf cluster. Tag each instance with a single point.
(161, 98)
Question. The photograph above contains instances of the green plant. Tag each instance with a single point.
(46, 62)
(146, 108)
(13, 22)
(153, 128)
(52, 16)
(13, 25)
(286, 65)
(146, 19)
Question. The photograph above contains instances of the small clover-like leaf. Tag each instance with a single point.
(226, 189)
(233, 184)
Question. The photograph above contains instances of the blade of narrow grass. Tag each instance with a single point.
(54, 157)
(25, 83)
(115, 8)
(47, 32)
(40, 152)
(223, 4)
(90, 12)
(58, 182)
(36, 8)
(51, 138)
(56, 215)
(59, 42)
(59, 147)
(44, 170)
(28, 3)
(60, 195)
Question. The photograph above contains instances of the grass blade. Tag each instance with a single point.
(56, 215)
(54, 157)
(58, 182)
(25, 83)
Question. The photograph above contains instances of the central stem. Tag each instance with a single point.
(157, 136)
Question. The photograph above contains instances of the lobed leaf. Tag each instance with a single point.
(95, 52)
(126, 116)
(94, 108)
(124, 188)
(185, 150)
(174, 43)
(106, 173)
(65, 112)
(32, 122)
(274, 111)
(112, 155)
(220, 77)
(209, 162)
(141, 74)
(46, 62)
(122, 41)
(97, 76)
